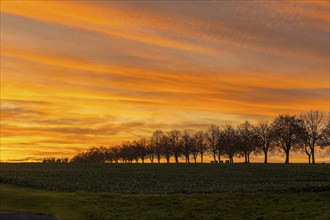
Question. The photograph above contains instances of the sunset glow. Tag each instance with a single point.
(76, 74)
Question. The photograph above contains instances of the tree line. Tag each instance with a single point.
(286, 133)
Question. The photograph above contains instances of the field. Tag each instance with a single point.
(167, 191)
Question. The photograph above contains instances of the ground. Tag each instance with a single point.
(162, 191)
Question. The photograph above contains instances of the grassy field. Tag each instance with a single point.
(162, 191)
(83, 205)
(169, 178)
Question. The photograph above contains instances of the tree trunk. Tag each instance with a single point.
(201, 157)
(167, 159)
(313, 155)
(176, 159)
(245, 157)
(158, 158)
(219, 156)
(214, 157)
(309, 158)
(248, 157)
(287, 156)
(266, 157)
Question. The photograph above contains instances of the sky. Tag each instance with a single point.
(76, 74)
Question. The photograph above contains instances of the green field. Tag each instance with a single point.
(168, 191)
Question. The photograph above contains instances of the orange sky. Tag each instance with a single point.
(76, 74)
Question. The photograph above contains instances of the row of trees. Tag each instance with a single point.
(285, 133)
(55, 160)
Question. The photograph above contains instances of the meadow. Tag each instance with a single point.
(167, 191)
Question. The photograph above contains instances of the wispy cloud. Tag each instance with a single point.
(80, 73)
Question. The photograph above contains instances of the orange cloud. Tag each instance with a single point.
(78, 74)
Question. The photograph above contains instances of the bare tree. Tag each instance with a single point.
(247, 139)
(213, 134)
(156, 143)
(200, 138)
(166, 148)
(175, 142)
(141, 149)
(325, 141)
(219, 145)
(150, 153)
(289, 131)
(326, 135)
(187, 145)
(230, 141)
(307, 150)
(265, 138)
(314, 123)
(194, 148)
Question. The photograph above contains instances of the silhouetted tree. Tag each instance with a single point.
(265, 138)
(176, 144)
(150, 153)
(289, 131)
(128, 153)
(194, 148)
(55, 160)
(156, 144)
(218, 144)
(116, 153)
(187, 145)
(314, 123)
(229, 141)
(93, 155)
(326, 135)
(142, 148)
(201, 143)
(213, 134)
(247, 138)
(166, 148)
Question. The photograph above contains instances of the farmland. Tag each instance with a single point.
(169, 178)
(167, 191)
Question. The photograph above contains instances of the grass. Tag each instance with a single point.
(169, 178)
(167, 191)
(84, 205)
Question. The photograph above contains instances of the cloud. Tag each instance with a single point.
(81, 73)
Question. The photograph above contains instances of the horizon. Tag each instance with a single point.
(76, 74)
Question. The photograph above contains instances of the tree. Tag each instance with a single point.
(156, 139)
(219, 137)
(109, 155)
(265, 138)
(127, 152)
(187, 145)
(93, 155)
(326, 135)
(325, 141)
(150, 153)
(289, 131)
(166, 148)
(247, 138)
(314, 123)
(116, 153)
(230, 141)
(194, 148)
(142, 148)
(200, 138)
(213, 134)
(175, 143)
(307, 150)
